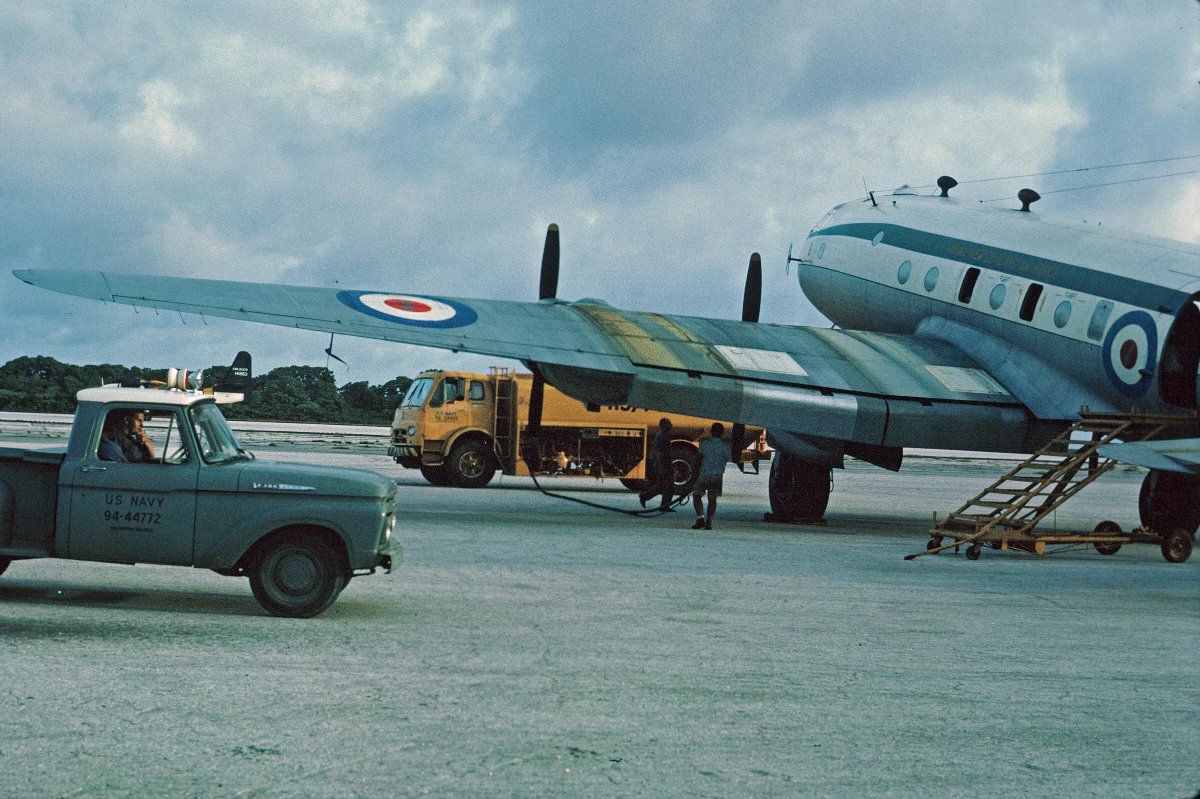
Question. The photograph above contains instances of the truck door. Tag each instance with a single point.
(136, 512)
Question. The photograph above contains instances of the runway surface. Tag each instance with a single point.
(534, 647)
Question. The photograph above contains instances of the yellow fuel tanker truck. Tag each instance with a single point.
(458, 428)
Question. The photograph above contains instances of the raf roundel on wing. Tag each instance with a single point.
(407, 309)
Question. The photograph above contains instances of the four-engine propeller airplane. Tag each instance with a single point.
(958, 326)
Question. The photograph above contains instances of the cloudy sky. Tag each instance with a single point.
(424, 147)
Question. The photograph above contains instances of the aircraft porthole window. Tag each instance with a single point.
(904, 272)
(1062, 314)
(996, 298)
(931, 278)
(878, 238)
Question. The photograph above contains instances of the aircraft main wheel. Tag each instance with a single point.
(436, 475)
(296, 576)
(634, 485)
(1170, 501)
(471, 464)
(685, 465)
(1107, 528)
(798, 489)
(1177, 546)
(974, 551)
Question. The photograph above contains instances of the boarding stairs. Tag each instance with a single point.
(1009, 510)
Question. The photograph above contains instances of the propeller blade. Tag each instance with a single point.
(752, 297)
(548, 288)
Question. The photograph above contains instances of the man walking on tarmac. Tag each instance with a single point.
(662, 473)
(714, 454)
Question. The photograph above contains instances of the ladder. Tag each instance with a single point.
(504, 413)
(1011, 507)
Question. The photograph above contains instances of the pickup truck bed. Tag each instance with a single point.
(28, 500)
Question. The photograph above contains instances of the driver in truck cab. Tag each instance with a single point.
(124, 437)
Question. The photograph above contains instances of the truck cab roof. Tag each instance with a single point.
(156, 396)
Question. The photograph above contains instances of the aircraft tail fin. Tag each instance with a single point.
(234, 385)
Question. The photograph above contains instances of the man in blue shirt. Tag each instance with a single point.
(714, 454)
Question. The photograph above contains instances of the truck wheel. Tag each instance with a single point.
(471, 464)
(685, 463)
(296, 576)
(436, 475)
(634, 485)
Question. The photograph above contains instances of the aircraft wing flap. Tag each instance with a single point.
(836, 360)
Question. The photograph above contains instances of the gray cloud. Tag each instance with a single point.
(415, 147)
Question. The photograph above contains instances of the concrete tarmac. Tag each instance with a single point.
(533, 647)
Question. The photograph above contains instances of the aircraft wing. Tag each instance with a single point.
(1175, 455)
(880, 389)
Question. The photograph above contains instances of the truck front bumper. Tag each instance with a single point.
(390, 556)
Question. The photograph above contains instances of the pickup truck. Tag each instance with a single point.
(195, 498)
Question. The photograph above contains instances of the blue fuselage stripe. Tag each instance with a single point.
(1071, 277)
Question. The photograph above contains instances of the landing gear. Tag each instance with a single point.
(1170, 501)
(799, 490)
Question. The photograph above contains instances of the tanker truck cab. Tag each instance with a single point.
(185, 493)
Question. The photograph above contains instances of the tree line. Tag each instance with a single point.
(41, 384)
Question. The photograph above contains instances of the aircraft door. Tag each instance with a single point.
(136, 512)
(1179, 367)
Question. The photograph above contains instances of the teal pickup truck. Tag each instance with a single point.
(189, 495)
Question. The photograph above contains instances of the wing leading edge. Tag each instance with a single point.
(877, 389)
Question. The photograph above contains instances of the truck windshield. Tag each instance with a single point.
(217, 442)
(417, 393)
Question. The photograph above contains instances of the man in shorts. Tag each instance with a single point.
(714, 454)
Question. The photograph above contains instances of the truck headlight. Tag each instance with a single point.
(412, 430)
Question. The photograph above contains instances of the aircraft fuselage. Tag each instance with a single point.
(1098, 319)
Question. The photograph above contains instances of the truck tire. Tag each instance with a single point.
(685, 463)
(471, 464)
(436, 475)
(297, 576)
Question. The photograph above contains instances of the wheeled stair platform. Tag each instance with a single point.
(1005, 515)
